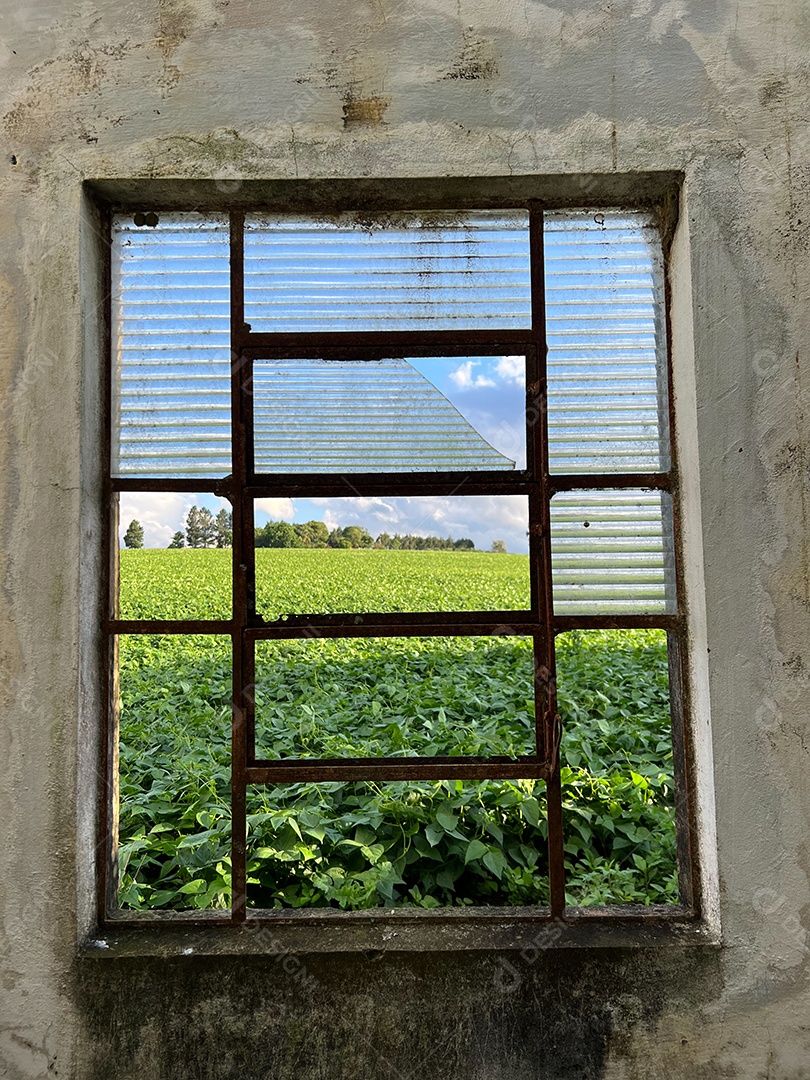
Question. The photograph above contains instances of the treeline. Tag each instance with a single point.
(203, 530)
(315, 534)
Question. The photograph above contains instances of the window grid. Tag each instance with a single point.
(536, 481)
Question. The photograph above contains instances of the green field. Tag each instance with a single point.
(357, 845)
(195, 583)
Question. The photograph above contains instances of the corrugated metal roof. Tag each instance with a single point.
(171, 335)
(172, 378)
(607, 405)
(360, 416)
(604, 280)
(612, 552)
(410, 271)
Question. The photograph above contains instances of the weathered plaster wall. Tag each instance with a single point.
(240, 89)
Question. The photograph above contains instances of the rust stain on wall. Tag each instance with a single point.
(360, 109)
(175, 22)
(360, 80)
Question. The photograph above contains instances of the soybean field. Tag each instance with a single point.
(356, 845)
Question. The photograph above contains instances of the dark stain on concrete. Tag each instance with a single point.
(357, 81)
(342, 1016)
(791, 459)
(794, 665)
(773, 92)
(76, 72)
(477, 60)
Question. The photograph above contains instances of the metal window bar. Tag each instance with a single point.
(242, 551)
(248, 347)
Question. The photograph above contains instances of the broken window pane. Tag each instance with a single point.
(418, 844)
(617, 775)
(183, 573)
(612, 552)
(392, 554)
(395, 697)
(384, 416)
(174, 824)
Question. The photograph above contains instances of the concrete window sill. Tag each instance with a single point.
(374, 933)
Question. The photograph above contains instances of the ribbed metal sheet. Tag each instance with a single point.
(607, 404)
(360, 416)
(409, 271)
(612, 553)
(171, 347)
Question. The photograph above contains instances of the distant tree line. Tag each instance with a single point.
(315, 534)
(204, 530)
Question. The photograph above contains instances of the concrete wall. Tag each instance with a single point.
(233, 90)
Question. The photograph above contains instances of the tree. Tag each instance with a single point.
(318, 532)
(201, 529)
(133, 537)
(337, 539)
(499, 547)
(224, 527)
(357, 536)
(193, 528)
(311, 534)
(178, 540)
(208, 527)
(277, 534)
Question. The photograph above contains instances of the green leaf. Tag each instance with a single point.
(475, 849)
(446, 878)
(494, 861)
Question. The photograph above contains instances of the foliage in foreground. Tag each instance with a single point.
(356, 845)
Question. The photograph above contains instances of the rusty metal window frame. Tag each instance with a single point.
(245, 627)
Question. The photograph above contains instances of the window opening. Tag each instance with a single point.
(325, 714)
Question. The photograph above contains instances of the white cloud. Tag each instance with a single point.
(331, 520)
(162, 514)
(277, 509)
(464, 379)
(353, 511)
(512, 369)
(480, 518)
